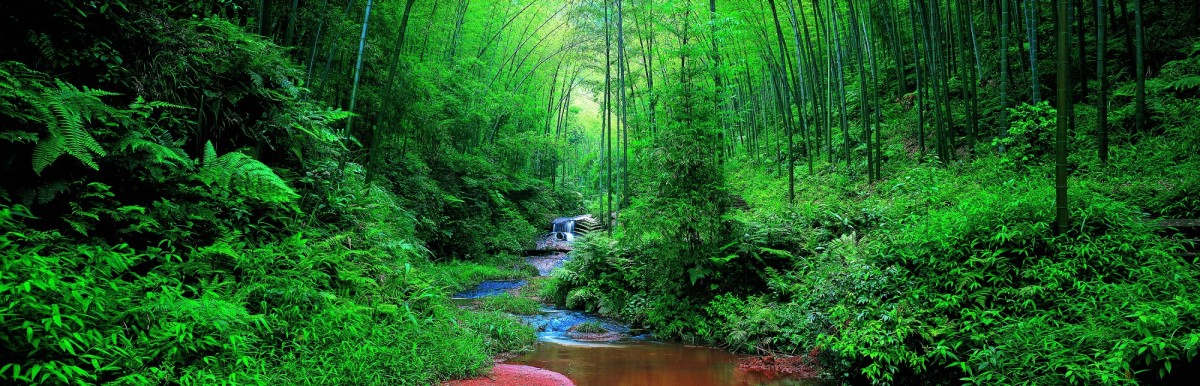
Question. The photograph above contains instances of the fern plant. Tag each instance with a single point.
(150, 138)
(244, 174)
(64, 110)
(1181, 75)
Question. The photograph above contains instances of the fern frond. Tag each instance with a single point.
(45, 192)
(48, 150)
(19, 136)
(158, 153)
(210, 154)
(1187, 83)
(246, 175)
(61, 107)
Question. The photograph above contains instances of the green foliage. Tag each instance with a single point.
(459, 275)
(1029, 139)
(590, 327)
(509, 303)
(63, 110)
(275, 263)
(601, 277)
(239, 172)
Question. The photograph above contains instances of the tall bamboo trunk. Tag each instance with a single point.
(1141, 66)
(362, 45)
(377, 136)
(918, 53)
(455, 36)
(1102, 94)
(312, 53)
(791, 155)
(718, 82)
(1031, 19)
(621, 67)
(428, 31)
(1064, 109)
(606, 139)
(1003, 70)
(841, 79)
(858, 41)
(800, 98)
(1081, 44)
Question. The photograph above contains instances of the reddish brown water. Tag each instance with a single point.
(646, 363)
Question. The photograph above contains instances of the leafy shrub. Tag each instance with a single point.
(988, 281)
(1030, 134)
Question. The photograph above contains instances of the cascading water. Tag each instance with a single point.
(563, 228)
(562, 234)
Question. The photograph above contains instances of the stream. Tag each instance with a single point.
(629, 361)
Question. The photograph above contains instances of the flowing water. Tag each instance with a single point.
(633, 359)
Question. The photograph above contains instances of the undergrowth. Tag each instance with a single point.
(935, 275)
(208, 223)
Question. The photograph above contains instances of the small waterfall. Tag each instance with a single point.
(563, 228)
(563, 231)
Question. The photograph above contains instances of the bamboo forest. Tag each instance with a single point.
(600, 192)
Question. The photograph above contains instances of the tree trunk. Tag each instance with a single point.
(918, 53)
(1141, 66)
(457, 34)
(362, 45)
(621, 68)
(1102, 95)
(1003, 70)
(1031, 36)
(377, 136)
(312, 54)
(606, 139)
(799, 98)
(428, 31)
(1064, 109)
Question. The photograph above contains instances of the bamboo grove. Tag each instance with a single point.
(818, 83)
(288, 191)
(811, 83)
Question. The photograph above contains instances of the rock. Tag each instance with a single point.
(776, 366)
(515, 375)
(596, 337)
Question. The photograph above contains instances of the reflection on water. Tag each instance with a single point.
(641, 363)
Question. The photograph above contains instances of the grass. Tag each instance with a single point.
(535, 287)
(590, 327)
(506, 302)
(460, 275)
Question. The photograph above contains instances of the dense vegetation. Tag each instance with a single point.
(284, 192)
(179, 202)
